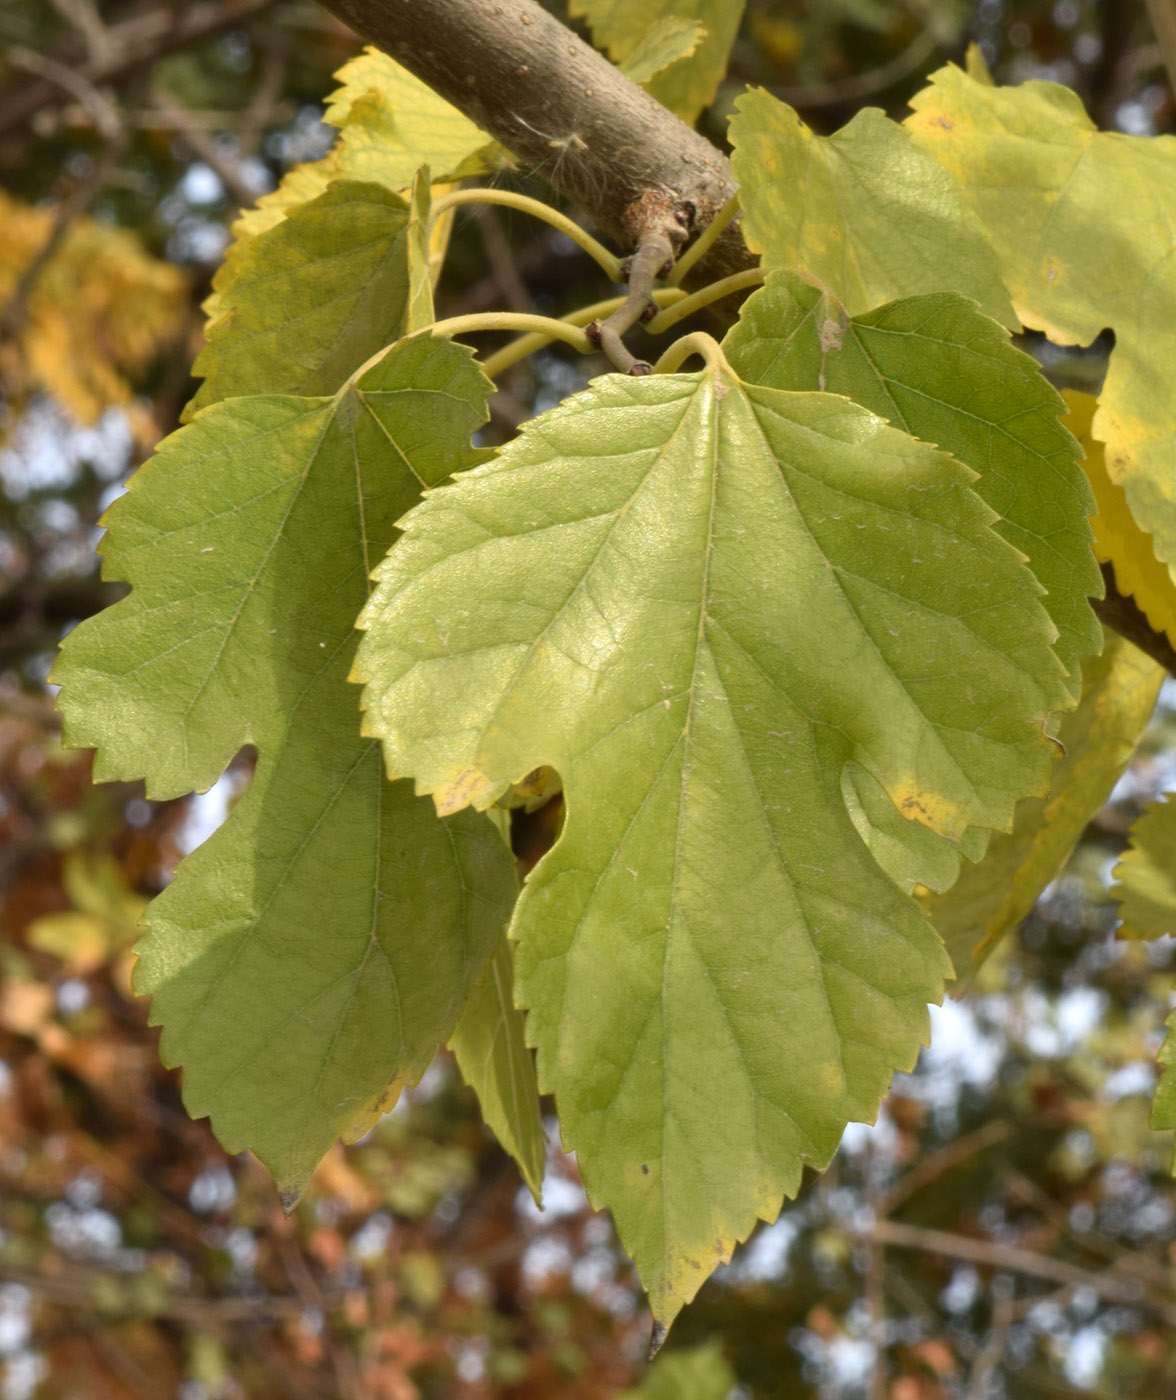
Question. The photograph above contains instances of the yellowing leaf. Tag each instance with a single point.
(670, 39)
(105, 918)
(1118, 540)
(98, 314)
(698, 600)
(863, 212)
(83, 941)
(391, 124)
(1082, 222)
(992, 897)
(637, 34)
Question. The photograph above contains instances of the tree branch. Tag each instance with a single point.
(565, 111)
(1105, 1283)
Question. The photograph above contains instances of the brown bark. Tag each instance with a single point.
(564, 111)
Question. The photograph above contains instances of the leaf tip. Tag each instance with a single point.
(289, 1197)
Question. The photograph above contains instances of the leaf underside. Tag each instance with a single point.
(390, 125)
(699, 600)
(492, 1054)
(315, 950)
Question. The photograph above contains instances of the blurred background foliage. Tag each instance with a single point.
(1009, 1226)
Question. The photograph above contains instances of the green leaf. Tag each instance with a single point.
(698, 600)
(669, 40)
(1146, 875)
(701, 1373)
(313, 298)
(863, 211)
(940, 369)
(991, 898)
(494, 1061)
(325, 939)
(1082, 222)
(632, 33)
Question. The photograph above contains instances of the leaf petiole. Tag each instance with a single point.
(697, 343)
(687, 305)
(527, 344)
(596, 250)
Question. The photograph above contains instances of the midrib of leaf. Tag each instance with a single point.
(791, 882)
(326, 660)
(383, 427)
(884, 383)
(673, 913)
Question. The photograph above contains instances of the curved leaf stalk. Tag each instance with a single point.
(697, 343)
(716, 291)
(608, 262)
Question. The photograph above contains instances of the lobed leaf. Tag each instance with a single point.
(1082, 222)
(634, 33)
(1097, 743)
(391, 124)
(864, 211)
(698, 600)
(318, 947)
(314, 297)
(938, 368)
